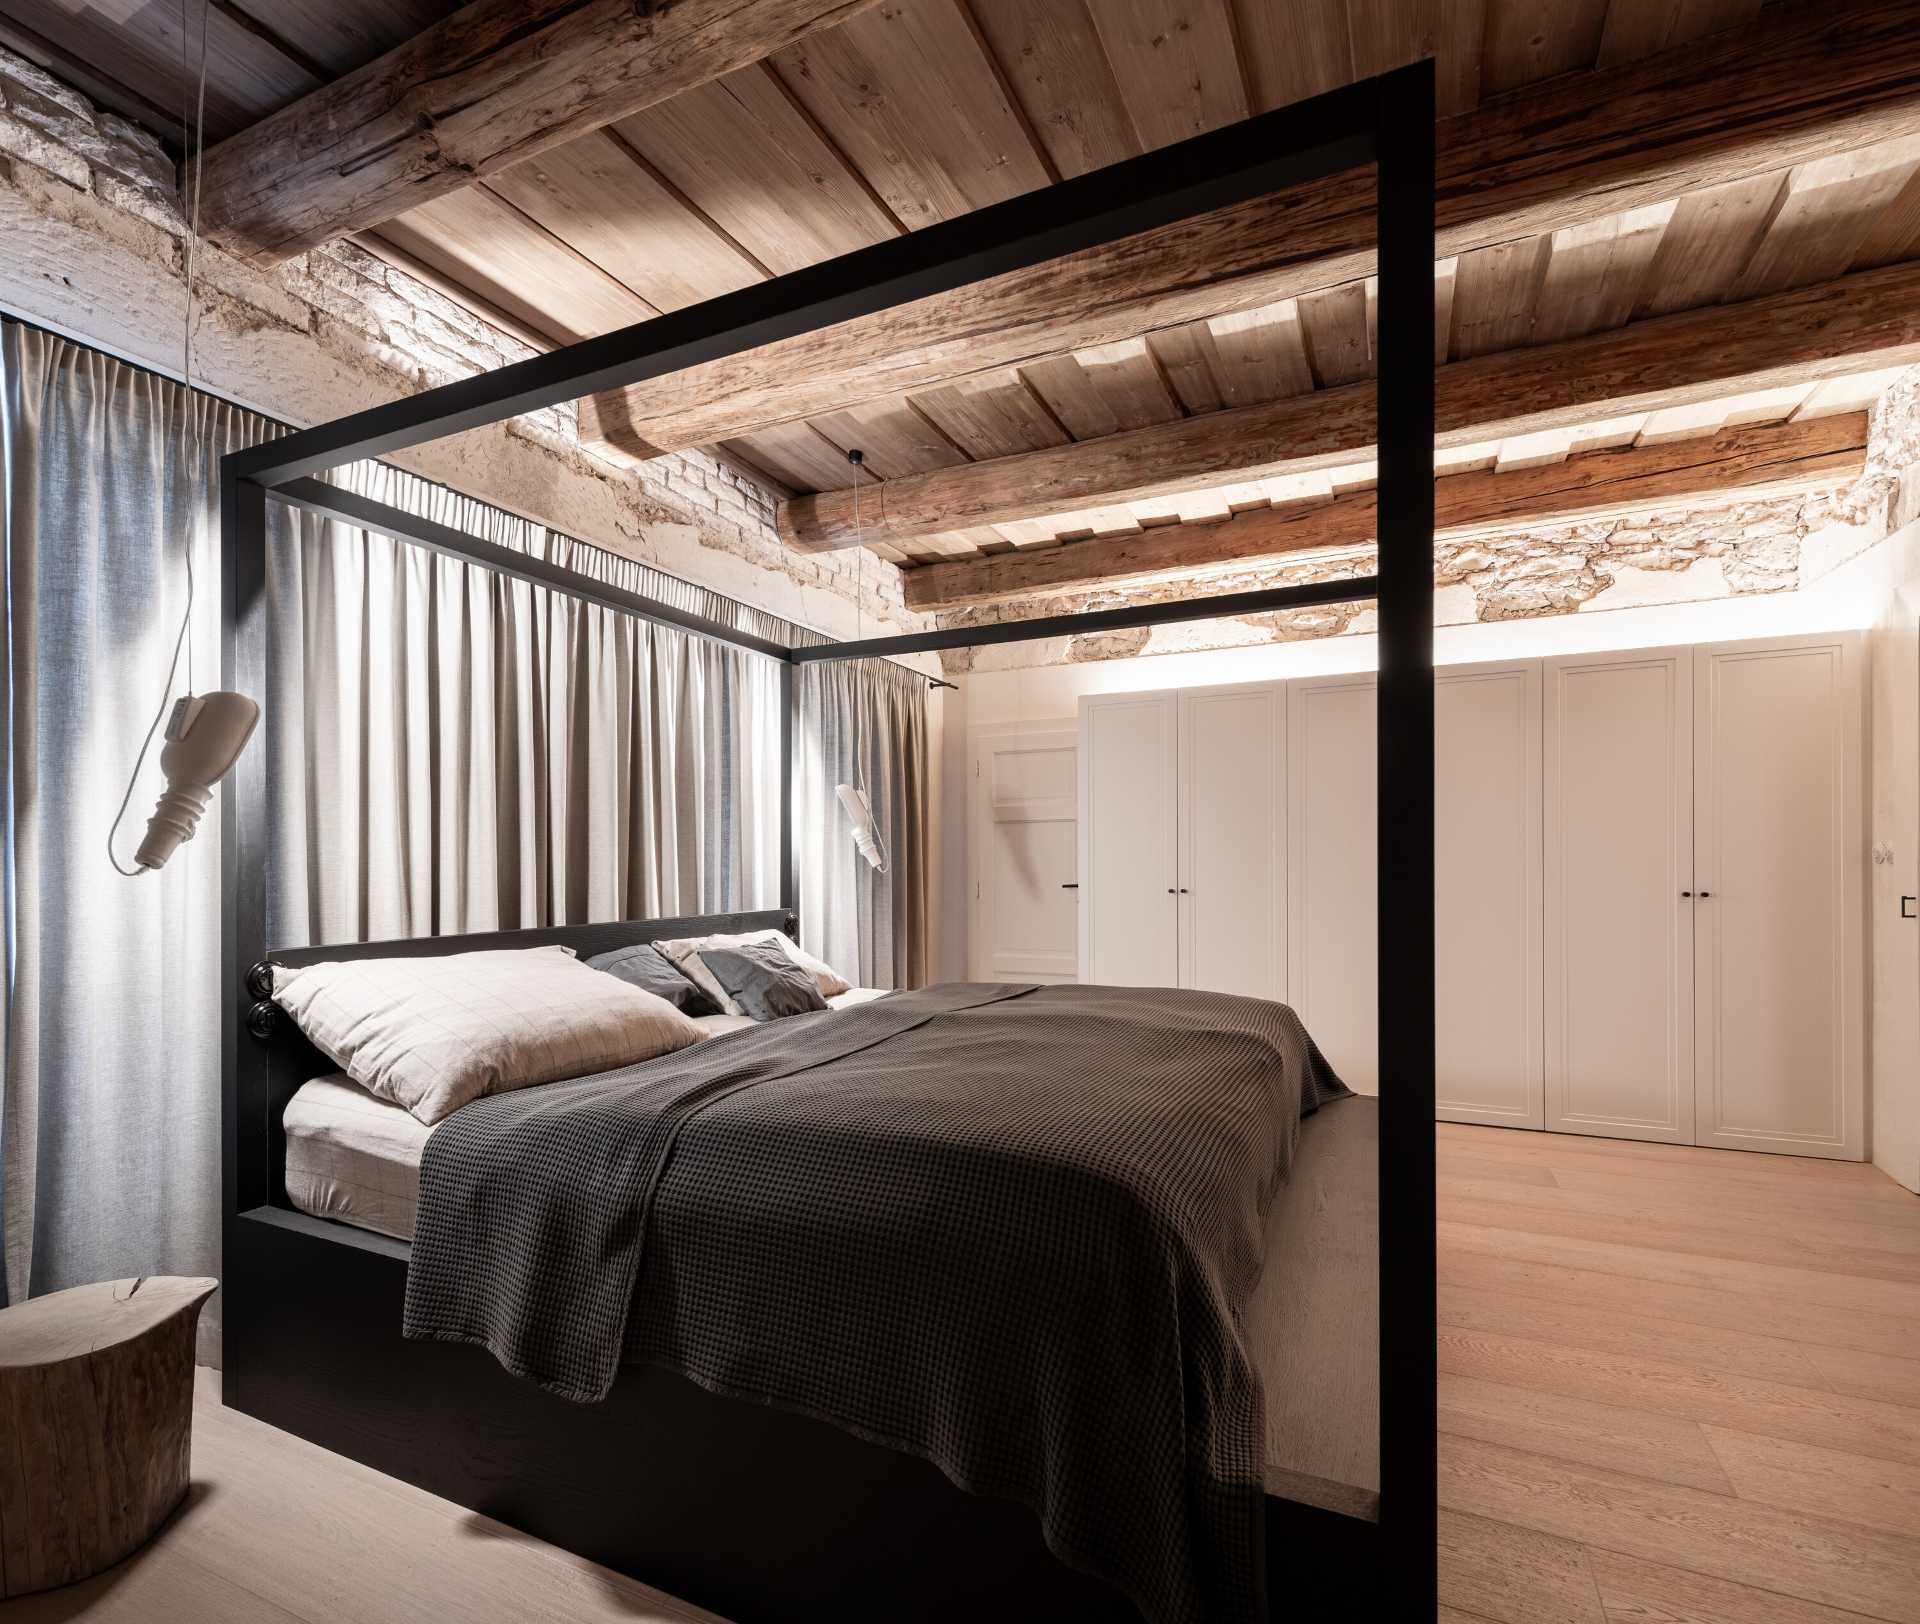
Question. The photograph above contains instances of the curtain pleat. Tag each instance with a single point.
(473, 752)
(448, 751)
(110, 1100)
(864, 723)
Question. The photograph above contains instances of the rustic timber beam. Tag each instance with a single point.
(1738, 464)
(1808, 84)
(1854, 324)
(498, 81)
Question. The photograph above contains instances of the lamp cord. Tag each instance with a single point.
(190, 140)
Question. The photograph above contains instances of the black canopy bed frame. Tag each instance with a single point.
(760, 1513)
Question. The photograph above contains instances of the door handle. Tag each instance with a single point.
(1907, 907)
(1069, 885)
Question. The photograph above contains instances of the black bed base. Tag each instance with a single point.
(756, 1513)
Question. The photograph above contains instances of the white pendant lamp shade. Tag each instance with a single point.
(865, 835)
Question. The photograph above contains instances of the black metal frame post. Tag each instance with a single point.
(1388, 121)
(1409, 1404)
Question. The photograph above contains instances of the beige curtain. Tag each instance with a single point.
(865, 723)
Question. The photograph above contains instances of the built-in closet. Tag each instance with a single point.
(1648, 880)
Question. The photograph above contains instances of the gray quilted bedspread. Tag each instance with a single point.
(1006, 1228)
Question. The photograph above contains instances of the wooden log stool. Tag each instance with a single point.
(96, 1420)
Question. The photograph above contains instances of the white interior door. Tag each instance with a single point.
(1129, 872)
(1778, 857)
(1332, 882)
(1026, 919)
(1233, 852)
(1618, 788)
(1489, 980)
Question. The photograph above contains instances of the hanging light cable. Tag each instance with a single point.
(206, 732)
(866, 837)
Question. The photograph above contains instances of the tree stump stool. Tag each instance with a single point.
(96, 1422)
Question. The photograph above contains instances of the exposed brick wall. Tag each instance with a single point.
(92, 241)
(1673, 556)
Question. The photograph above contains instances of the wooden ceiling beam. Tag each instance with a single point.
(1808, 84)
(498, 81)
(1738, 464)
(1856, 323)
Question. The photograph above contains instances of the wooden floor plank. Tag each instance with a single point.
(1796, 1554)
(1887, 1377)
(156, 1585)
(1761, 1197)
(1467, 1259)
(1688, 1392)
(1580, 1430)
(1841, 1484)
(1518, 1306)
(1691, 1165)
(1634, 1591)
(1818, 1227)
(1810, 1249)
(1511, 1575)
(1672, 1264)
(1512, 1170)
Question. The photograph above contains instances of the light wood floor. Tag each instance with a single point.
(1677, 1387)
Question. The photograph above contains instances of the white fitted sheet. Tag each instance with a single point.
(356, 1158)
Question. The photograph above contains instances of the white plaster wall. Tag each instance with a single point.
(1888, 578)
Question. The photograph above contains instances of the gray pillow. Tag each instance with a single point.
(646, 967)
(763, 980)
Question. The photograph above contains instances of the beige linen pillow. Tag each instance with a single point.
(685, 954)
(433, 1033)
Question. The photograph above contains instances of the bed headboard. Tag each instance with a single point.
(275, 1059)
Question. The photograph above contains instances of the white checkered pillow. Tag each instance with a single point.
(433, 1033)
(684, 953)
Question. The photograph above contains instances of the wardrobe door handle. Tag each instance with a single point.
(1686, 893)
(1069, 885)
(1704, 895)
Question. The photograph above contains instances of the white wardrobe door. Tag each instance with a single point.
(1233, 854)
(1026, 922)
(1129, 875)
(1332, 936)
(1488, 982)
(1618, 785)
(1777, 850)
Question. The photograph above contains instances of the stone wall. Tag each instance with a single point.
(92, 244)
(1672, 556)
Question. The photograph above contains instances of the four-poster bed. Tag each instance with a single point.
(757, 1511)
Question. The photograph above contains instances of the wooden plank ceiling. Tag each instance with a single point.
(921, 110)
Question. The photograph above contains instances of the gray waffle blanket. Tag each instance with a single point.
(1006, 1228)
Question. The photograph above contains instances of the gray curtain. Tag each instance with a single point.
(863, 722)
(110, 1098)
(451, 750)
(448, 751)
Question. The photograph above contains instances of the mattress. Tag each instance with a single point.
(356, 1159)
